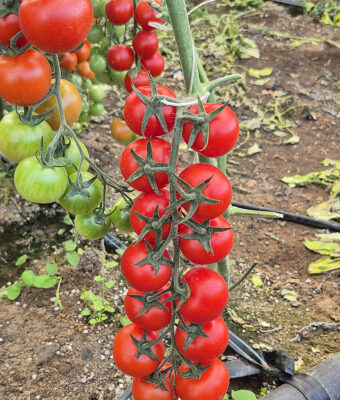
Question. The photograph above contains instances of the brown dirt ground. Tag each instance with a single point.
(49, 354)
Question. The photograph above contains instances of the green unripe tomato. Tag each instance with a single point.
(86, 84)
(96, 33)
(97, 94)
(97, 63)
(97, 8)
(120, 31)
(105, 43)
(118, 77)
(76, 80)
(85, 117)
(94, 50)
(80, 204)
(87, 226)
(97, 109)
(104, 77)
(18, 140)
(121, 216)
(72, 155)
(102, 5)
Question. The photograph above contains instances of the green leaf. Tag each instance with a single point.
(27, 278)
(70, 245)
(110, 284)
(67, 220)
(124, 320)
(257, 281)
(98, 278)
(109, 309)
(73, 258)
(324, 248)
(52, 268)
(44, 281)
(324, 264)
(86, 312)
(111, 264)
(80, 251)
(21, 260)
(13, 291)
(289, 295)
(242, 395)
(259, 73)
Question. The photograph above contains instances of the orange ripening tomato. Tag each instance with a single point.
(71, 103)
(83, 54)
(85, 71)
(69, 61)
(121, 132)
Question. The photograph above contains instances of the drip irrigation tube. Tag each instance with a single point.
(289, 3)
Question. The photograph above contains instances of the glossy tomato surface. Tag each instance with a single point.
(119, 12)
(120, 217)
(90, 228)
(9, 27)
(144, 13)
(68, 61)
(142, 79)
(120, 57)
(145, 43)
(121, 132)
(154, 64)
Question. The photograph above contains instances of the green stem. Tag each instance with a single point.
(243, 277)
(223, 268)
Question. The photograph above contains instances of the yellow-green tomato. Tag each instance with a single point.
(39, 184)
(121, 216)
(19, 141)
(90, 228)
(73, 156)
(83, 199)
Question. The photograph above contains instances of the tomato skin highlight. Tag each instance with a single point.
(208, 297)
(120, 57)
(202, 348)
(221, 243)
(39, 184)
(119, 12)
(142, 79)
(143, 277)
(223, 131)
(212, 385)
(125, 352)
(154, 64)
(57, 26)
(145, 43)
(19, 141)
(25, 79)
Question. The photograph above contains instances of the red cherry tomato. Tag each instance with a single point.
(57, 26)
(155, 318)
(125, 351)
(134, 111)
(142, 79)
(25, 79)
(208, 297)
(204, 348)
(221, 243)
(161, 151)
(83, 54)
(145, 14)
(145, 43)
(120, 57)
(119, 12)
(154, 64)
(145, 204)
(68, 61)
(143, 277)
(9, 27)
(223, 132)
(218, 188)
(213, 383)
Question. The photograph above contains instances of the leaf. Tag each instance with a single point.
(109, 284)
(326, 210)
(67, 220)
(52, 268)
(261, 82)
(289, 295)
(257, 281)
(254, 149)
(324, 248)
(86, 312)
(259, 73)
(242, 395)
(252, 124)
(27, 278)
(279, 133)
(13, 291)
(329, 237)
(80, 251)
(295, 139)
(73, 258)
(44, 281)
(324, 264)
(124, 320)
(109, 309)
(111, 264)
(98, 278)
(70, 245)
(21, 260)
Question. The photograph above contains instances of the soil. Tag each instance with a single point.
(46, 353)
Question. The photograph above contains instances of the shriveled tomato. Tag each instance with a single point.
(121, 132)
(156, 317)
(204, 348)
(90, 228)
(146, 204)
(212, 385)
(125, 352)
(119, 12)
(145, 14)
(218, 188)
(154, 64)
(18, 140)
(85, 70)
(120, 57)
(142, 79)
(134, 111)
(39, 184)
(208, 295)
(68, 61)
(120, 217)
(145, 43)
(161, 150)
(71, 103)
(57, 26)
(223, 132)
(25, 79)
(144, 277)
(83, 54)
(9, 27)
(221, 243)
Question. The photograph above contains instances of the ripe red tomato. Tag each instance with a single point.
(85, 70)
(143, 277)
(218, 188)
(204, 348)
(134, 111)
(68, 61)
(212, 385)
(83, 54)
(119, 12)
(145, 43)
(223, 132)
(161, 150)
(154, 64)
(25, 79)
(144, 13)
(125, 351)
(57, 26)
(145, 204)
(208, 297)
(120, 57)
(155, 318)
(221, 243)
(9, 27)
(142, 79)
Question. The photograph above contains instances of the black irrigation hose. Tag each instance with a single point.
(289, 3)
(298, 219)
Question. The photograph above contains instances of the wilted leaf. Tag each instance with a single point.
(289, 295)
(235, 317)
(298, 364)
(324, 264)
(329, 237)
(259, 73)
(261, 82)
(324, 248)
(295, 139)
(254, 149)
(251, 124)
(257, 281)
(279, 133)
